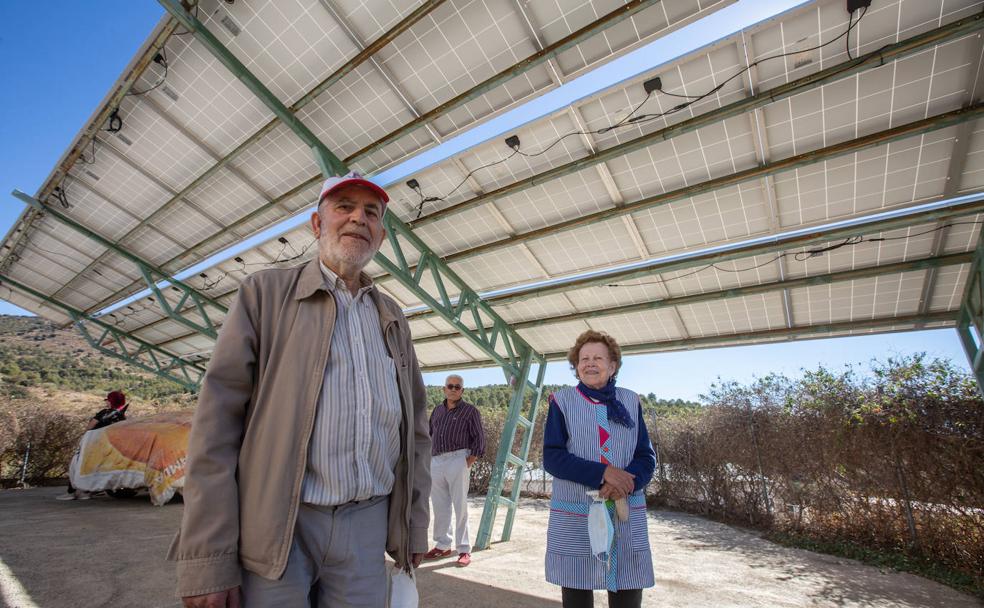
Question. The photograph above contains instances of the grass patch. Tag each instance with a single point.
(886, 558)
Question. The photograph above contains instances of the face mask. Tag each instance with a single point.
(601, 532)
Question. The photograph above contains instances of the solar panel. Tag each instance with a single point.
(199, 164)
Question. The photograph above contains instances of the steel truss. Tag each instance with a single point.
(503, 345)
(970, 322)
(111, 341)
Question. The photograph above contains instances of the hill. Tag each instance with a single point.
(41, 362)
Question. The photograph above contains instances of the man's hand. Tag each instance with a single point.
(470, 460)
(222, 599)
(619, 479)
(416, 558)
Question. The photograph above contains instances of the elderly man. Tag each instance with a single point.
(458, 441)
(309, 455)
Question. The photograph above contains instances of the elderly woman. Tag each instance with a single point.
(595, 439)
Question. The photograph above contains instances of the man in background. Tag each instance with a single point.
(458, 440)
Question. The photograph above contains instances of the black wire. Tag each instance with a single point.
(631, 119)
(50, 252)
(800, 256)
(431, 199)
(163, 77)
(721, 85)
(208, 284)
(92, 153)
(59, 194)
(847, 45)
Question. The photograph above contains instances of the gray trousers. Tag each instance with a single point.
(335, 561)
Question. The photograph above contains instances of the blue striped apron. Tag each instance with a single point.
(569, 562)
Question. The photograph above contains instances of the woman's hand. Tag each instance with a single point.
(610, 492)
(620, 480)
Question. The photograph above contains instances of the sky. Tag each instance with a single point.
(59, 58)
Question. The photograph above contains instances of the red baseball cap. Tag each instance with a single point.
(351, 179)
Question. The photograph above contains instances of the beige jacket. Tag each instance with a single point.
(249, 441)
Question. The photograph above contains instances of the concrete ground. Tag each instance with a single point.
(107, 552)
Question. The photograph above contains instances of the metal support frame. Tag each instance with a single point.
(506, 461)
(891, 324)
(421, 120)
(869, 224)
(151, 274)
(119, 344)
(784, 285)
(912, 129)
(886, 54)
(970, 322)
(503, 345)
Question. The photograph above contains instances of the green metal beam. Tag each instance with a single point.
(528, 422)
(567, 42)
(533, 60)
(152, 274)
(970, 323)
(738, 292)
(329, 163)
(493, 335)
(501, 343)
(818, 331)
(111, 341)
(912, 129)
(84, 139)
(888, 53)
(864, 225)
(506, 461)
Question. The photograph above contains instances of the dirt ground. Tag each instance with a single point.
(107, 552)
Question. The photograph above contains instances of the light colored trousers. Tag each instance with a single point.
(449, 488)
(335, 561)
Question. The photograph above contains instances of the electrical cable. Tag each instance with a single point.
(431, 199)
(800, 256)
(847, 44)
(631, 118)
(209, 284)
(160, 59)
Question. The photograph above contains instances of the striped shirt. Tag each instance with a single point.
(355, 443)
(457, 428)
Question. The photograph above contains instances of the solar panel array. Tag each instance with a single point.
(577, 199)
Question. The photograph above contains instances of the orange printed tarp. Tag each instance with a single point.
(141, 453)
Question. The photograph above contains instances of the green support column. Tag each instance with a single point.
(970, 323)
(113, 342)
(506, 461)
(490, 332)
(528, 422)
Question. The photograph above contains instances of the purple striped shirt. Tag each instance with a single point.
(459, 428)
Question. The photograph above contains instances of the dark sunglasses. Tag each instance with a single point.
(453, 387)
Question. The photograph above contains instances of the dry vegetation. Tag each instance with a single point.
(848, 463)
(887, 467)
